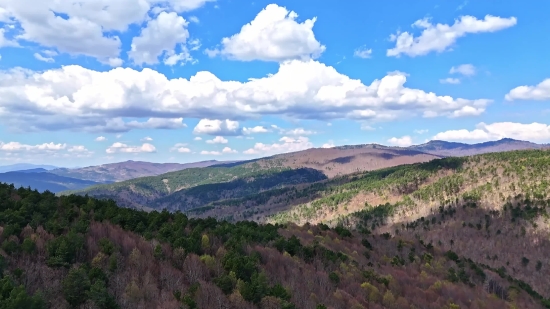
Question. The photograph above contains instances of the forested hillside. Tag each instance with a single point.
(79, 252)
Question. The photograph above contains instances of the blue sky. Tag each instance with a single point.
(91, 81)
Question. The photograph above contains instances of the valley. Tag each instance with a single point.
(365, 226)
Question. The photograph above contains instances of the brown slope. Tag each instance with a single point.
(349, 159)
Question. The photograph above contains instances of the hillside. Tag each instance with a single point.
(491, 208)
(79, 252)
(237, 184)
(43, 181)
(163, 191)
(121, 171)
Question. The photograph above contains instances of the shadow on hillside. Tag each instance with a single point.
(201, 195)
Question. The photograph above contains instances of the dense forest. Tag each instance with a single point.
(80, 252)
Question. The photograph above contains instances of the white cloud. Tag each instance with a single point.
(450, 80)
(181, 148)
(228, 150)
(5, 42)
(404, 141)
(287, 144)
(330, 144)
(198, 138)
(115, 62)
(194, 19)
(464, 69)
(498, 130)
(16, 146)
(100, 138)
(441, 37)
(73, 97)
(146, 139)
(273, 35)
(161, 35)
(467, 111)
(118, 125)
(217, 127)
(256, 129)
(298, 131)
(538, 92)
(214, 153)
(363, 52)
(217, 140)
(90, 28)
(120, 147)
(42, 58)
(421, 131)
(78, 148)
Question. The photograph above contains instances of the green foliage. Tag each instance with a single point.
(76, 286)
(15, 297)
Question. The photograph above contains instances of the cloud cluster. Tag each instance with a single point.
(93, 28)
(440, 37)
(19, 151)
(73, 97)
(273, 35)
(123, 148)
(498, 130)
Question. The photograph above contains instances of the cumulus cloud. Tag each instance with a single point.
(147, 139)
(228, 150)
(256, 129)
(73, 97)
(161, 36)
(273, 35)
(286, 144)
(330, 144)
(213, 153)
(298, 131)
(42, 58)
(450, 80)
(539, 92)
(363, 52)
(464, 69)
(91, 28)
(217, 127)
(441, 37)
(181, 148)
(123, 148)
(198, 138)
(217, 140)
(119, 125)
(16, 146)
(404, 141)
(100, 139)
(498, 130)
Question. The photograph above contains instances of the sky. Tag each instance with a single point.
(86, 82)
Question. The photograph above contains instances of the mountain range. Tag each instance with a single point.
(197, 188)
(291, 231)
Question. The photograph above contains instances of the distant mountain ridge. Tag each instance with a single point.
(24, 166)
(43, 181)
(444, 148)
(114, 172)
(210, 183)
